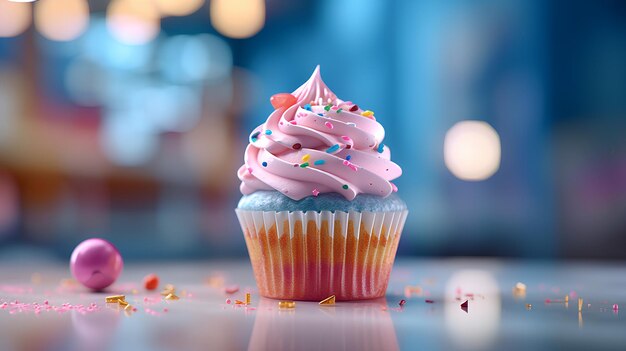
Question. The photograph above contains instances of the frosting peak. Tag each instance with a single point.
(315, 143)
(315, 90)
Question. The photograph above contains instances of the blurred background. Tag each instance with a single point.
(127, 119)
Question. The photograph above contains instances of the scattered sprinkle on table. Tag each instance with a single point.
(286, 304)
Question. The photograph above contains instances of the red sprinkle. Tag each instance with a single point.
(402, 302)
(297, 146)
(429, 301)
(231, 289)
(151, 281)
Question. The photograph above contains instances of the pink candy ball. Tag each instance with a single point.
(96, 263)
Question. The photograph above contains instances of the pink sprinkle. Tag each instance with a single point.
(165, 310)
(345, 137)
(45, 302)
(346, 162)
(293, 122)
(615, 307)
(334, 108)
(250, 170)
(394, 187)
(228, 301)
(353, 167)
(547, 300)
(231, 289)
(315, 192)
(329, 125)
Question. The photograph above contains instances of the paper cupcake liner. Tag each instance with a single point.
(312, 255)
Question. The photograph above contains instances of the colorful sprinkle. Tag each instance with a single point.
(264, 164)
(465, 306)
(615, 307)
(320, 114)
(429, 301)
(354, 108)
(402, 302)
(345, 186)
(250, 170)
(293, 121)
(327, 107)
(353, 167)
(268, 132)
(329, 125)
(380, 148)
(345, 137)
(306, 158)
(307, 107)
(254, 136)
(319, 162)
(339, 110)
(296, 146)
(304, 165)
(231, 289)
(367, 113)
(334, 108)
(348, 157)
(394, 187)
(283, 100)
(333, 148)
(315, 192)
(151, 281)
(346, 162)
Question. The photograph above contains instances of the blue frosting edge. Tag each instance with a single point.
(263, 200)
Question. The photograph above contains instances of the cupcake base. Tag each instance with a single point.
(312, 255)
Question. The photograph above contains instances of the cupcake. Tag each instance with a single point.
(319, 213)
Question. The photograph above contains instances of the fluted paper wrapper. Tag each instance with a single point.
(312, 255)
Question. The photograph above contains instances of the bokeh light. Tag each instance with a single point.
(61, 20)
(472, 150)
(14, 18)
(128, 138)
(133, 22)
(238, 18)
(178, 7)
(204, 57)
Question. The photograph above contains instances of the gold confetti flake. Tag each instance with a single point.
(168, 289)
(248, 298)
(529, 306)
(122, 302)
(519, 290)
(410, 290)
(566, 298)
(128, 307)
(114, 298)
(328, 301)
(287, 304)
(172, 297)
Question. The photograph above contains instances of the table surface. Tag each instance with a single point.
(53, 312)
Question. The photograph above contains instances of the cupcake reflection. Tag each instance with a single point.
(346, 326)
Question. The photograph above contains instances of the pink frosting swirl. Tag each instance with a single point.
(320, 144)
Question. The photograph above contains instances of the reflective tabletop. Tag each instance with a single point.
(510, 305)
